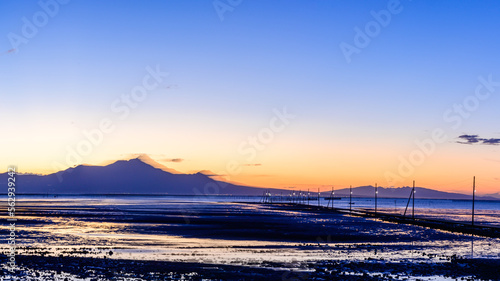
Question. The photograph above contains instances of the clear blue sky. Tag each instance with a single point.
(227, 76)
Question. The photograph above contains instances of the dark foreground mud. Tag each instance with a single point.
(55, 268)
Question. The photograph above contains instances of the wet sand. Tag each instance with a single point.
(54, 268)
(157, 240)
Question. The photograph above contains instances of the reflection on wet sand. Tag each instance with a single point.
(236, 234)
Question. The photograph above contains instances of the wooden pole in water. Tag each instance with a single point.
(327, 203)
(330, 201)
(350, 198)
(308, 196)
(318, 197)
(376, 194)
(473, 197)
(413, 208)
(333, 195)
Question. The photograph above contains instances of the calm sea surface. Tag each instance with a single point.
(486, 211)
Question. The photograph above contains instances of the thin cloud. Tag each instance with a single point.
(475, 139)
(468, 139)
(491, 141)
(175, 160)
(209, 173)
(134, 155)
(252, 165)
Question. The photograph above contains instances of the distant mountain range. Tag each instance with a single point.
(404, 192)
(144, 176)
(496, 195)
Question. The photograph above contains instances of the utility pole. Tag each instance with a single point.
(308, 202)
(318, 197)
(473, 197)
(350, 198)
(333, 196)
(330, 199)
(413, 209)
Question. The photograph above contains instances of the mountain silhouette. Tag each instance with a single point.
(133, 176)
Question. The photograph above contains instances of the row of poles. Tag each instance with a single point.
(301, 197)
(412, 198)
(294, 197)
(332, 198)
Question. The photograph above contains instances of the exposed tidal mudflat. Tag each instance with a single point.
(158, 239)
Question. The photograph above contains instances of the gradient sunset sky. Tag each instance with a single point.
(334, 92)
